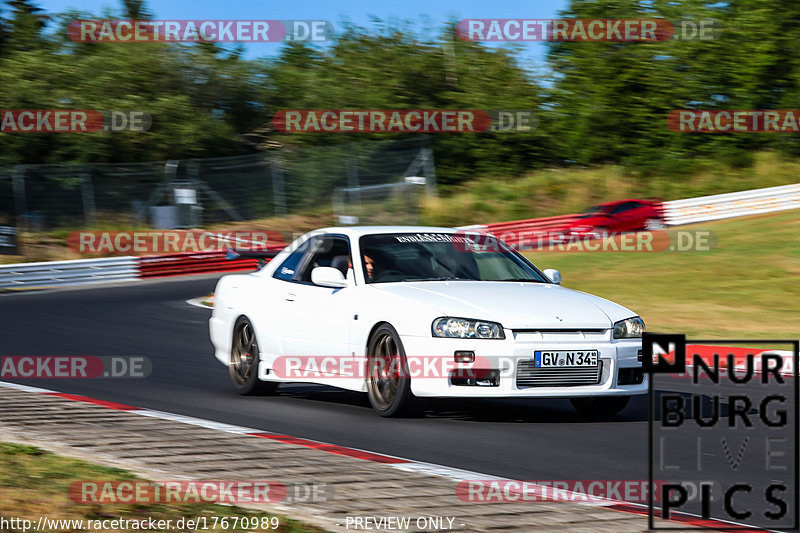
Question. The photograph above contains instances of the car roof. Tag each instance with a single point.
(617, 202)
(358, 231)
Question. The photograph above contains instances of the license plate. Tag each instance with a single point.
(564, 358)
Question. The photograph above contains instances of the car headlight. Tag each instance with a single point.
(630, 328)
(464, 328)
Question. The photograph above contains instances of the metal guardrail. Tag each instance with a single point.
(519, 231)
(508, 230)
(128, 268)
(181, 264)
(734, 204)
(73, 272)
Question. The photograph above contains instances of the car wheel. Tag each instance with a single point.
(600, 405)
(601, 232)
(388, 382)
(243, 368)
(653, 224)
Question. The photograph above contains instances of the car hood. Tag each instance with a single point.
(514, 305)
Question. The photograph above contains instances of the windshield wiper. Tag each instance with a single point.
(521, 279)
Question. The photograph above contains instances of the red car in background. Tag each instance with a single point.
(617, 217)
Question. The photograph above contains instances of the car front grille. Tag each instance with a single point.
(541, 336)
(530, 376)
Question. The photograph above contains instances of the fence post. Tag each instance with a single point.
(196, 210)
(430, 171)
(278, 191)
(20, 199)
(351, 167)
(87, 193)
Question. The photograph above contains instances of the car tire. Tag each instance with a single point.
(243, 367)
(388, 381)
(653, 224)
(601, 232)
(600, 406)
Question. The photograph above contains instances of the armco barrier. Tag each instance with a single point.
(75, 272)
(734, 204)
(129, 268)
(159, 266)
(512, 232)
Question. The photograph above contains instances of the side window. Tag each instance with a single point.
(623, 207)
(287, 269)
(329, 251)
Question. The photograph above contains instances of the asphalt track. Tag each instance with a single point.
(518, 439)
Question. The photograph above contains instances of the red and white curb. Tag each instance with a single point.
(400, 463)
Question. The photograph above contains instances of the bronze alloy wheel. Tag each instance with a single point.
(243, 368)
(388, 382)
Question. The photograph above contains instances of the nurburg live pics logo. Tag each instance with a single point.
(732, 425)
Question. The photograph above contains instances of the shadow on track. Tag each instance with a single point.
(472, 409)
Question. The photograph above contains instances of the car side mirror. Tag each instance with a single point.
(552, 273)
(329, 277)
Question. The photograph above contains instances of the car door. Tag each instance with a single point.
(641, 213)
(636, 215)
(316, 321)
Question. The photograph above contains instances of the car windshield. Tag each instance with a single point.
(396, 257)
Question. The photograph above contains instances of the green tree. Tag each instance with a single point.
(26, 25)
(135, 10)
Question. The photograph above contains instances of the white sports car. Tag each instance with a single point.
(404, 312)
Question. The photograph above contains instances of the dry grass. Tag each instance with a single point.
(560, 191)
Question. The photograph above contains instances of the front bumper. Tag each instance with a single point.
(503, 358)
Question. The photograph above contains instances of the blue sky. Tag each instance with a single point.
(427, 16)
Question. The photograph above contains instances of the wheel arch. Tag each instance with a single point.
(372, 332)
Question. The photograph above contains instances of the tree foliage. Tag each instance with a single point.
(603, 102)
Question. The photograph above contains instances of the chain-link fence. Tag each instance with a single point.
(198, 192)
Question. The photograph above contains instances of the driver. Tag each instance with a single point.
(369, 264)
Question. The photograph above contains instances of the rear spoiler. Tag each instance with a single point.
(262, 255)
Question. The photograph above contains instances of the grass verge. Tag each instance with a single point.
(746, 287)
